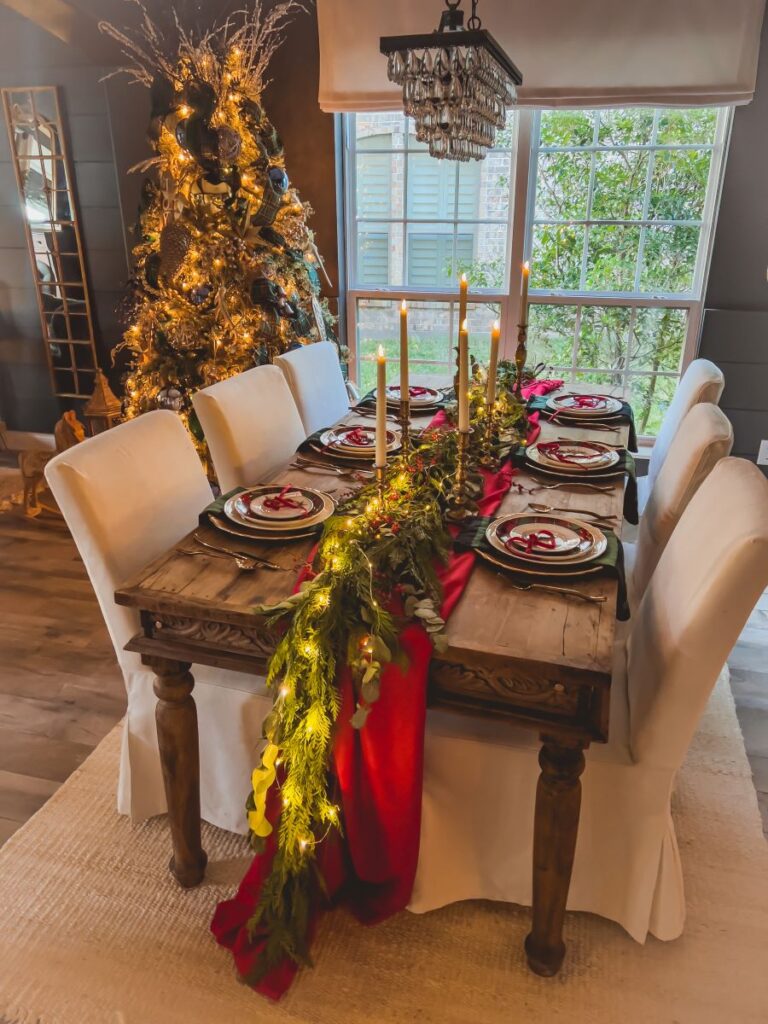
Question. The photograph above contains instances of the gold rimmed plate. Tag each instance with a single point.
(584, 406)
(237, 511)
(260, 536)
(573, 542)
(573, 456)
(419, 397)
(545, 572)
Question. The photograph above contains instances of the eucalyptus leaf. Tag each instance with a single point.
(358, 720)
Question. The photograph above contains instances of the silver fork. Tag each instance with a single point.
(570, 486)
(256, 559)
(243, 562)
(591, 598)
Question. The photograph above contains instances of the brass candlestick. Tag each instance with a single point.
(380, 473)
(489, 459)
(461, 506)
(404, 419)
(521, 354)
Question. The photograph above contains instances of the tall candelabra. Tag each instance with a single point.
(461, 505)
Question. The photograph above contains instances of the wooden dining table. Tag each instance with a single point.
(532, 657)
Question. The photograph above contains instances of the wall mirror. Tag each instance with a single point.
(44, 178)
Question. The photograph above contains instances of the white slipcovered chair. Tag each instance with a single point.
(701, 382)
(480, 775)
(317, 384)
(127, 496)
(705, 436)
(251, 425)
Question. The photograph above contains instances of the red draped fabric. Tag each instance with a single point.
(379, 771)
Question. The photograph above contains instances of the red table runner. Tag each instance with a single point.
(379, 771)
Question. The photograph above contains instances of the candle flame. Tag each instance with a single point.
(403, 306)
(526, 267)
(465, 325)
(381, 351)
(463, 278)
(496, 325)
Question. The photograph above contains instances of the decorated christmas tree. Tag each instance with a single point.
(225, 269)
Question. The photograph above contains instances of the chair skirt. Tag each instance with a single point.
(480, 781)
(231, 708)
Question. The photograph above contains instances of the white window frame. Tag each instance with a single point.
(519, 238)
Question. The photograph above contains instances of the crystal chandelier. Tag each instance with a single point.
(457, 84)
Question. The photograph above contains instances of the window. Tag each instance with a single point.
(616, 219)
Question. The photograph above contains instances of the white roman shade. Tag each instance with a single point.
(594, 53)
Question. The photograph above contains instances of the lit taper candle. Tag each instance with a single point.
(493, 364)
(463, 395)
(463, 288)
(404, 395)
(381, 409)
(524, 293)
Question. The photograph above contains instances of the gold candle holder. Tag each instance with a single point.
(404, 419)
(521, 354)
(461, 506)
(488, 458)
(380, 474)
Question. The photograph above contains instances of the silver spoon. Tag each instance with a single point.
(547, 509)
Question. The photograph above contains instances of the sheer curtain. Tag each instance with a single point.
(595, 53)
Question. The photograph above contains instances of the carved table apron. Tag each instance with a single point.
(535, 658)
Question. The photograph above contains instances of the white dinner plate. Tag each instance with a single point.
(582, 456)
(418, 396)
(575, 541)
(248, 522)
(569, 403)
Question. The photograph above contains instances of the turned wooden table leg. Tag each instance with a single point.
(176, 717)
(558, 802)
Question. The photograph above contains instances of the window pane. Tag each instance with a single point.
(468, 201)
(697, 124)
(556, 256)
(611, 380)
(562, 186)
(484, 261)
(679, 184)
(431, 256)
(620, 179)
(631, 127)
(550, 334)
(379, 130)
(658, 338)
(603, 337)
(485, 187)
(567, 127)
(431, 344)
(670, 259)
(377, 266)
(650, 397)
(375, 183)
(431, 188)
(612, 258)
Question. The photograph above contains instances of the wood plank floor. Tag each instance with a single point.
(61, 690)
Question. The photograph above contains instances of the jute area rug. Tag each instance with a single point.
(94, 931)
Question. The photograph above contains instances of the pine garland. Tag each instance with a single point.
(375, 567)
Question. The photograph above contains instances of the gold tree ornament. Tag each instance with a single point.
(225, 270)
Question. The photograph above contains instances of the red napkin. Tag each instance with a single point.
(280, 501)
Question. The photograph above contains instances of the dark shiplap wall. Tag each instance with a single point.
(106, 124)
(735, 328)
(29, 56)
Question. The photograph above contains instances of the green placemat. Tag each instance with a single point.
(538, 403)
(611, 563)
(216, 507)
